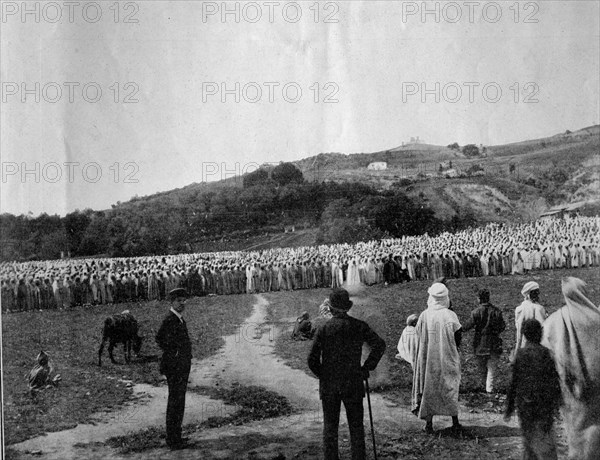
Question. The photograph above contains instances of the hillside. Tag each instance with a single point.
(332, 197)
(501, 184)
(512, 182)
(507, 182)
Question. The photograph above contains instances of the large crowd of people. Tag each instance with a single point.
(493, 250)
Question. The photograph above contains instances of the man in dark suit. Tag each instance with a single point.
(174, 341)
(488, 322)
(335, 359)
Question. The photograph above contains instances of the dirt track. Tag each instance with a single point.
(247, 358)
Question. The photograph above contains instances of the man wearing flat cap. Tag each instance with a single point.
(174, 341)
(529, 308)
(335, 359)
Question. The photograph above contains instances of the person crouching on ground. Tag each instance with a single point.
(335, 359)
(40, 377)
(487, 344)
(408, 342)
(302, 327)
(535, 390)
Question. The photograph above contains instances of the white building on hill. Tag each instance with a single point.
(377, 165)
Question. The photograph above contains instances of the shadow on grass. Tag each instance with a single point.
(147, 359)
(253, 403)
(478, 432)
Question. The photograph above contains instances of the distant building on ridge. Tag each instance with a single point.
(377, 166)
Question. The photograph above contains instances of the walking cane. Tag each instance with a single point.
(371, 418)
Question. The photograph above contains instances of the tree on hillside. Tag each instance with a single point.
(474, 169)
(76, 224)
(399, 215)
(470, 150)
(258, 177)
(287, 173)
(464, 218)
(346, 230)
(533, 209)
(454, 146)
(95, 239)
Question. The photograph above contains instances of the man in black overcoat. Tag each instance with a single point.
(335, 359)
(174, 341)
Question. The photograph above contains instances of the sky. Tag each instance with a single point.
(103, 101)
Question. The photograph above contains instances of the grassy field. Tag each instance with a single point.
(253, 403)
(72, 338)
(386, 308)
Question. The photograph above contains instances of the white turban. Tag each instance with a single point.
(438, 296)
(530, 286)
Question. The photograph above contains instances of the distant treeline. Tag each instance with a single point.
(172, 222)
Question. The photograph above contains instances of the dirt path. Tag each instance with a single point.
(247, 358)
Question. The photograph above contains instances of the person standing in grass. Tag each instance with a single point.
(335, 359)
(487, 344)
(436, 376)
(572, 334)
(529, 308)
(535, 391)
(176, 362)
(409, 341)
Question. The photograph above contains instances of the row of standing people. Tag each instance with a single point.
(555, 363)
(68, 291)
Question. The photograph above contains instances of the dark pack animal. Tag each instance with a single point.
(121, 328)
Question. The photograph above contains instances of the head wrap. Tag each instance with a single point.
(412, 320)
(530, 286)
(575, 292)
(438, 297)
(42, 358)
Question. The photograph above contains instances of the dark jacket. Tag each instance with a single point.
(489, 324)
(336, 352)
(174, 341)
(535, 387)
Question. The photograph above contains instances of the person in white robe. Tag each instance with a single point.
(571, 333)
(517, 263)
(436, 376)
(371, 272)
(335, 275)
(408, 343)
(529, 308)
(353, 274)
(558, 256)
(536, 259)
(527, 257)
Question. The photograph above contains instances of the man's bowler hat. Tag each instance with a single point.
(340, 299)
(178, 293)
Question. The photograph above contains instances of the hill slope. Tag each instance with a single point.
(511, 182)
(345, 197)
(507, 182)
